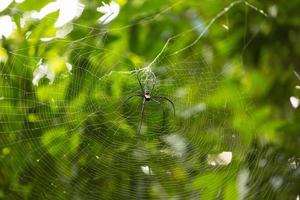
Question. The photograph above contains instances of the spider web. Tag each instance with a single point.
(77, 137)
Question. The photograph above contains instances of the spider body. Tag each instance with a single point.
(147, 98)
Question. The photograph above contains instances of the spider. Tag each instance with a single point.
(147, 97)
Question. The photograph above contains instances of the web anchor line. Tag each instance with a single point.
(148, 68)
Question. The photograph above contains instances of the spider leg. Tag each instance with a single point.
(135, 95)
(138, 77)
(167, 99)
(142, 115)
(161, 107)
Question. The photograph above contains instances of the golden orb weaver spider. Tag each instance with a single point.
(145, 93)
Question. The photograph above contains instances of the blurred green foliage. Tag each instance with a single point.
(76, 139)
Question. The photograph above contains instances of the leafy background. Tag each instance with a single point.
(74, 139)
